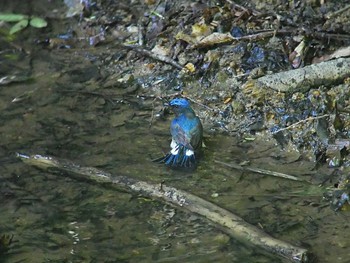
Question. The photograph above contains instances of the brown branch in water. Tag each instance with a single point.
(260, 171)
(227, 221)
(153, 55)
(292, 126)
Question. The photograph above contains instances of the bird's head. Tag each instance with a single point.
(179, 105)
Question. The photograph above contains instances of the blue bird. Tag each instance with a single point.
(187, 132)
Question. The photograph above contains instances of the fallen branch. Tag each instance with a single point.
(302, 79)
(228, 222)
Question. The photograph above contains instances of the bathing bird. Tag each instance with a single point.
(187, 132)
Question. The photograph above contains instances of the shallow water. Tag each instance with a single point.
(63, 110)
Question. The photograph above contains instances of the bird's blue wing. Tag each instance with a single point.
(180, 134)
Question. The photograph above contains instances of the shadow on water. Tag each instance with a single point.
(63, 110)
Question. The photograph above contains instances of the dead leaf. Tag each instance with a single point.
(213, 39)
(342, 52)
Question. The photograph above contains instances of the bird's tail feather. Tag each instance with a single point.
(181, 158)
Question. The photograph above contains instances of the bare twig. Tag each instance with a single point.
(260, 171)
(140, 34)
(164, 97)
(107, 97)
(152, 113)
(322, 35)
(300, 122)
(150, 54)
(228, 222)
(202, 105)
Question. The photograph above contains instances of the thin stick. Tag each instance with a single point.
(341, 10)
(260, 171)
(202, 105)
(228, 222)
(300, 122)
(255, 12)
(152, 55)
